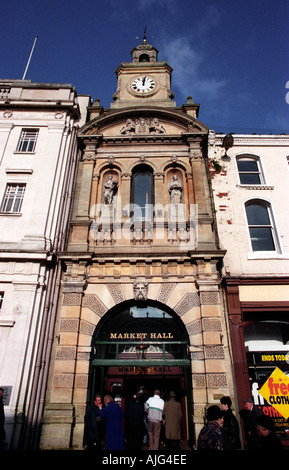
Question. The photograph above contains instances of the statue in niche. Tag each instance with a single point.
(140, 289)
(175, 190)
(110, 190)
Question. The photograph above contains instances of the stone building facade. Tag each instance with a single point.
(140, 299)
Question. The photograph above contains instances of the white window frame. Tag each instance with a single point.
(28, 140)
(272, 226)
(14, 192)
(260, 172)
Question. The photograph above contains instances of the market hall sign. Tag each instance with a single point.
(141, 336)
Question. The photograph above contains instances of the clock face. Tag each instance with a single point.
(143, 84)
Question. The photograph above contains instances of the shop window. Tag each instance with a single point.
(142, 193)
(261, 229)
(250, 171)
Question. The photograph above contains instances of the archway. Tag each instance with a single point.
(142, 345)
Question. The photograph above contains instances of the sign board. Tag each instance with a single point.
(276, 392)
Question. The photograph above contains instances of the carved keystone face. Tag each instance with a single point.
(140, 290)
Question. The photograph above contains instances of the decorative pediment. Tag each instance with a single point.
(142, 121)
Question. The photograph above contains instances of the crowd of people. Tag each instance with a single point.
(147, 420)
(151, 419)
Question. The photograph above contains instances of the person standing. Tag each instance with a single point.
(154, 407)
(2, 421)
(172, 413)
(231, 425)
(249, 415)
(93, 426)
(114, 428)
(211, 436)
(134, 420)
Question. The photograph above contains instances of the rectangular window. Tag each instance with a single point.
(1, 299)
(28, 139)
(13, 198)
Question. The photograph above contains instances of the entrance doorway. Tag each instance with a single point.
(143, 346)
(124, 382)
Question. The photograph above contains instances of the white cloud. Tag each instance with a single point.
(188, 76)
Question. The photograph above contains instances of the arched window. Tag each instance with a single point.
(250, 171)
(261, 226)
(142, 193)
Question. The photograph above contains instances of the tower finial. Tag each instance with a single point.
(144, 35)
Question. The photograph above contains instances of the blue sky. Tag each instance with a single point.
(232, 57)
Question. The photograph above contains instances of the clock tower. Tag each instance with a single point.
(140, 300)
(144, 80)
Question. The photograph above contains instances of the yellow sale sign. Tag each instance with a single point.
(276, 392)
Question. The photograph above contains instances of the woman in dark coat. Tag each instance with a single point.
(230, 426)
(114, 429)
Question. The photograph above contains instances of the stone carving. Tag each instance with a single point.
(72, 298)
(156, 127)
(217, 380)
(209, 298)
(175, 190)
(143, 126)
(189, 301)
(165, 291)
(129, 127)
(110, 190)
(116, 292)
(94, 303)
(212, 324)
(140, 289)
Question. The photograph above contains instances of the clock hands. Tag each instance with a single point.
(143, 80)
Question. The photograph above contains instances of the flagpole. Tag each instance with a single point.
(24, 75)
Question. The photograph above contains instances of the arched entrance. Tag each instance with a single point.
(142, 344)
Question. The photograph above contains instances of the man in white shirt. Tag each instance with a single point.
(154, 408)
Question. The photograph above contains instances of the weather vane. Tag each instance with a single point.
(144, 35)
